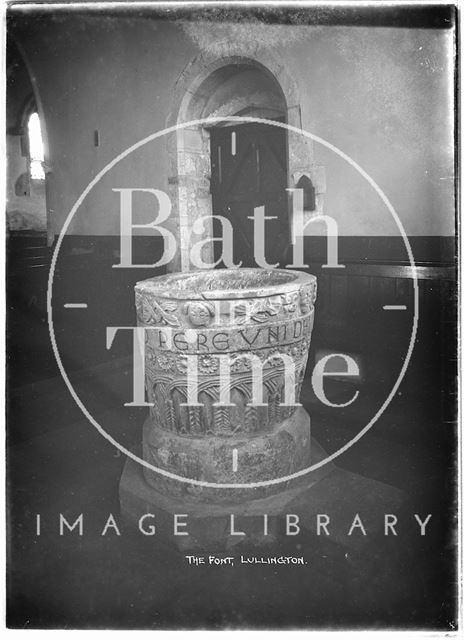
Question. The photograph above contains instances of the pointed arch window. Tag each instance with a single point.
(309, 193)
(35, 147)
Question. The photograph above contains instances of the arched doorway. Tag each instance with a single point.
(229, 169)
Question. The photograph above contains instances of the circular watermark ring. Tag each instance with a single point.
(230, 485)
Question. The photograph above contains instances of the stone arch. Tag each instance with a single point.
(189, 149)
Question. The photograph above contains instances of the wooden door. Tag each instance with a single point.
(248, 170)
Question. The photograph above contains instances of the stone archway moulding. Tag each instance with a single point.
(189, 150)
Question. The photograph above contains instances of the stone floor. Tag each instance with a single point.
(59, 463)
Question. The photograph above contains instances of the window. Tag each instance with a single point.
(309, 193)
(36, 152)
